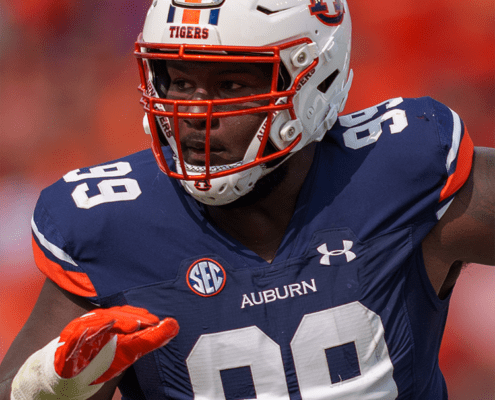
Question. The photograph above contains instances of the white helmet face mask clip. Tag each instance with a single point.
(308, 46)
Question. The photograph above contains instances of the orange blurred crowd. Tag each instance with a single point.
(68, 99)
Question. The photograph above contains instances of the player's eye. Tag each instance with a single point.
(180, 85)
(231, 86)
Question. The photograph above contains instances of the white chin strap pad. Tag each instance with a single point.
(226, 189)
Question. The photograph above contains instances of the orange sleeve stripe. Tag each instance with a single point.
(463, 168)
(77, 283)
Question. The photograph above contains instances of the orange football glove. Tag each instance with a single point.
(91, 350)
(135, 330)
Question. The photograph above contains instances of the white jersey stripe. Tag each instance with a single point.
(56, 251)
(456, 139)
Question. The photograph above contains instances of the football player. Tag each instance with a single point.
(303, 255)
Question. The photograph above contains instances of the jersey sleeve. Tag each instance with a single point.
(95, 230)
(403, 161)
(53, 258)
(458, 150)
(73, 222)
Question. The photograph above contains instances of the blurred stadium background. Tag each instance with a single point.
(68, 99)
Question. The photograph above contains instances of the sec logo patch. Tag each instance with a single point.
(206, 277)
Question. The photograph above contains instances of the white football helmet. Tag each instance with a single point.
(307, 41)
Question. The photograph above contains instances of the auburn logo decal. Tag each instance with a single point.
(203, 185)
(206, 277)
(319, 9)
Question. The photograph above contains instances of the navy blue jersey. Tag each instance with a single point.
(344, 311)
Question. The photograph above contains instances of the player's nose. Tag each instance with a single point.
(204, 107)
(200, 94)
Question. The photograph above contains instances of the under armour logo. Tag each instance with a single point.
(349, 255)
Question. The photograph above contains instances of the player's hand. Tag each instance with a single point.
(133, 331)
(91, 350)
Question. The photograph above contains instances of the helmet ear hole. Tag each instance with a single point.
(323, 86)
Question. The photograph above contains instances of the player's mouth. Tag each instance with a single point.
(194, 152)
